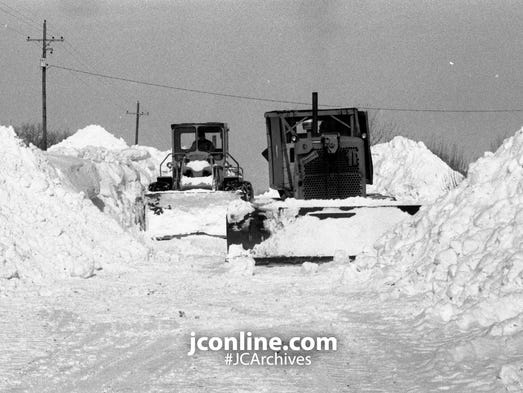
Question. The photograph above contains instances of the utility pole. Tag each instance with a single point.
(43, 63)
(138, 114)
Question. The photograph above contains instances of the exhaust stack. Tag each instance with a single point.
(315, 113)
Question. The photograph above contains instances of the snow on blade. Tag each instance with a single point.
(190, 212)
(307, 235)
(238, 209)
(407, 170)
(49, 231)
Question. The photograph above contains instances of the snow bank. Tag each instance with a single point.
(511, 375)
(47, 230)
(91, 135)
(407, 170)
(122, 173)
(467, 248)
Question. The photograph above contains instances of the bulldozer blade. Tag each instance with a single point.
(293, 260)
(177, 214)
(348, 211)
(265, 231)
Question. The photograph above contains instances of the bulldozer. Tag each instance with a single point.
(320, 163)
(199, 176)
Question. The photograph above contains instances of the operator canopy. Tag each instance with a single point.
(206, 138)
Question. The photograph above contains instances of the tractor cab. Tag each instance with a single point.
(207, 138)
(200, 159)
(199, 176)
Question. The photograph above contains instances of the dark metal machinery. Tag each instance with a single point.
(314, 154)
(201, 142)
(319, 154)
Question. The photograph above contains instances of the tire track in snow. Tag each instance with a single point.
(129, 332)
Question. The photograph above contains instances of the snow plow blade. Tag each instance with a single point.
(178, 214)
(292, 235)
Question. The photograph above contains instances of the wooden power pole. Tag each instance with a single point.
(138, 114)
(43, 63)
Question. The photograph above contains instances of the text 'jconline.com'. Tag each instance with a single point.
(247, 349)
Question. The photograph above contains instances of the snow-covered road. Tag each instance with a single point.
(90, 304)
(128, 331)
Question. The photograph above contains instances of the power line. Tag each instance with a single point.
(77, 56)
(237, 96)
(30, 21)
(17, 17)
(442, 110)
(24, 16)
(80, 57)
(178, 88)
(6, 26)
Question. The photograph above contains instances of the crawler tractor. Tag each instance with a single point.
(320, 163)
(197, 176)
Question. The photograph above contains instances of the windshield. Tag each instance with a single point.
(202, 138)
(213, 134)
(184, 138)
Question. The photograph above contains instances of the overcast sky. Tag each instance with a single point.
(400, 54)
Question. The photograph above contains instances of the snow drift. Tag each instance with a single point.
(48, 230)
(118, 175)
(409, 171)
(92, 135)
(467, 248)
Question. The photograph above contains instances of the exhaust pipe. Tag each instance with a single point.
(315, 113)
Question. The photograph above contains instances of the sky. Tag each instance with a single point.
(457, 55)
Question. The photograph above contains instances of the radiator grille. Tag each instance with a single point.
(332, 176)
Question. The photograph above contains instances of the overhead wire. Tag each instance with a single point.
(120, 93)
(22, 15)
(31, 22)
(212, 93)
(34, 24)
(18, 17)
(274, 100)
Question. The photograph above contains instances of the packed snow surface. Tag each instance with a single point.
(408, 171)
(92, 135)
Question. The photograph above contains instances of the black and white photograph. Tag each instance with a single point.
(310, 196)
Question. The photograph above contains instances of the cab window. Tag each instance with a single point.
(184, 138)
(214, 135)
